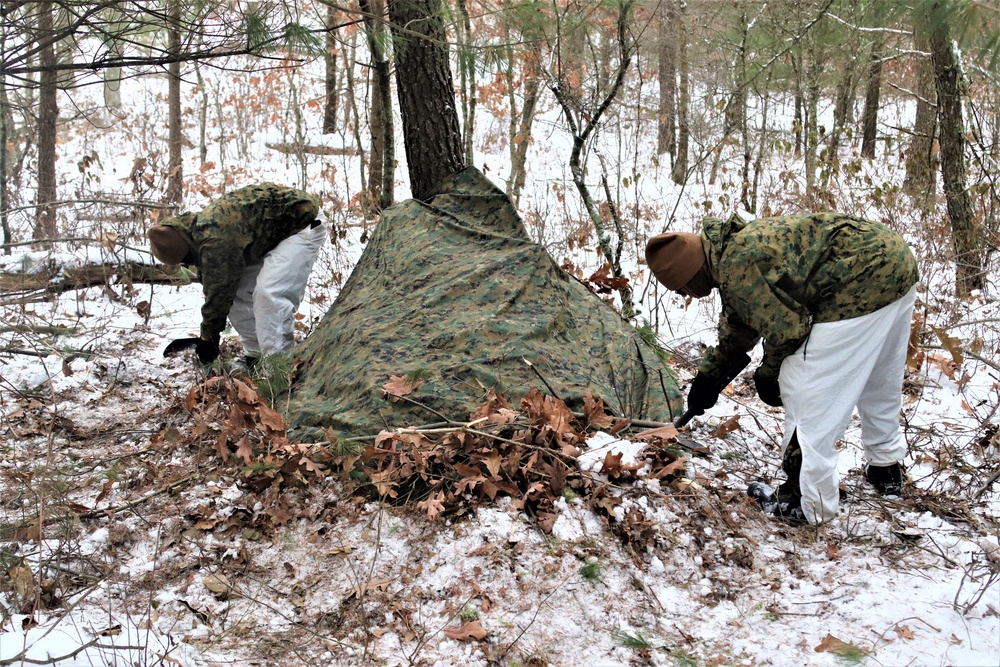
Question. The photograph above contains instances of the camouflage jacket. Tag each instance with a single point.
(777, 276)
(235, 231)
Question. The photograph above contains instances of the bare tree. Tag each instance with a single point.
(48, 117)
(175, 141)
(872, 95)
(965, 237)
(666, 41)
(331, 94)
(382, 157)
(921, 155)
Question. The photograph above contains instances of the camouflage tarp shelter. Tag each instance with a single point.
(456, 290)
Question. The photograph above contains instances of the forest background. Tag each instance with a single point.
(605, 122)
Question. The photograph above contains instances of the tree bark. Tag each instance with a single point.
(175, 139)
(467, 72)
(382, 160)
(679, 171)
(872, 94)
(968, 253)
(48, 116)
(424, 85)
(330, 92)
(520, 124)
(921, 157)
(813, 68)
(666, 136)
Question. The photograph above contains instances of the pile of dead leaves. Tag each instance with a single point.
(530, 455)
(242, 428)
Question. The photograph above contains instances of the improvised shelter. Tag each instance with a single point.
(454, 290)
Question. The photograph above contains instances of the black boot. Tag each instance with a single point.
(887, 480)
(787, 507)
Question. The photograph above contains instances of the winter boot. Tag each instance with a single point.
(787, 507)
(887, 480)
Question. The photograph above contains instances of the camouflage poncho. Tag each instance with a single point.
(777, 276)
(235, 231)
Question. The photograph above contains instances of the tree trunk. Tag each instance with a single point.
(679, 171)
(331, 94)
(48, 116)
(798, 122)
(175, 139)
(842, 113)
(4, 203)
(666, 136)
(921, 157)
(467, 71)
(431, 133)
(872, 92)
(521, 125)
(382, 160)
(352, 116)
(813, 68)
(968, 254)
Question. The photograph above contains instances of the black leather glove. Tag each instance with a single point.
(703, 394)
(208, 350)
(180, 345)
(767, 389)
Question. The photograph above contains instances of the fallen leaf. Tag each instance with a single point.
(219, 585)
(663, 432)
(400, 385)
(952, 344)
(22, 578)
(728, 426)
(244, 450)
(903, 632)
(831, 644)
(470, 631)
(362, 590)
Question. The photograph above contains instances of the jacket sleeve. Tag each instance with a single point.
(221, 270)
(759, 307)
(735, 339)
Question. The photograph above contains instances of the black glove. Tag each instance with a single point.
(767, 389)
(208, 350)
(180, 345)
(703, 394)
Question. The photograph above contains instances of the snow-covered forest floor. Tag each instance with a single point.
(137, 545)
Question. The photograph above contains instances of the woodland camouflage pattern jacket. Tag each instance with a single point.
(777, 276)
(235, 231)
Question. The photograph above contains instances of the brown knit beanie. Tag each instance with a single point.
(167, 244)
(675, 257)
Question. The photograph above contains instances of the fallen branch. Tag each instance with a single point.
(54, 280)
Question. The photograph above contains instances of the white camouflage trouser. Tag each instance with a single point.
(855, 362)
(263, 312)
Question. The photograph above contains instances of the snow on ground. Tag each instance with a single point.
(156, 554)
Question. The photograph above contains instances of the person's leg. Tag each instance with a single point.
(820, 385)
(882, 398)
(241, 314)
(280, 286)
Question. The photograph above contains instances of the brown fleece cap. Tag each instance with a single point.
(167, 244)
(675, 257)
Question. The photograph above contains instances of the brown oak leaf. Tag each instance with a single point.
(471, 631)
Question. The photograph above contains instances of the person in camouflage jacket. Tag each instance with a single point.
(254, 249)
(832, 298)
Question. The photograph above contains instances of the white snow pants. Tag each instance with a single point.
(855, 362)
(263, 312)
